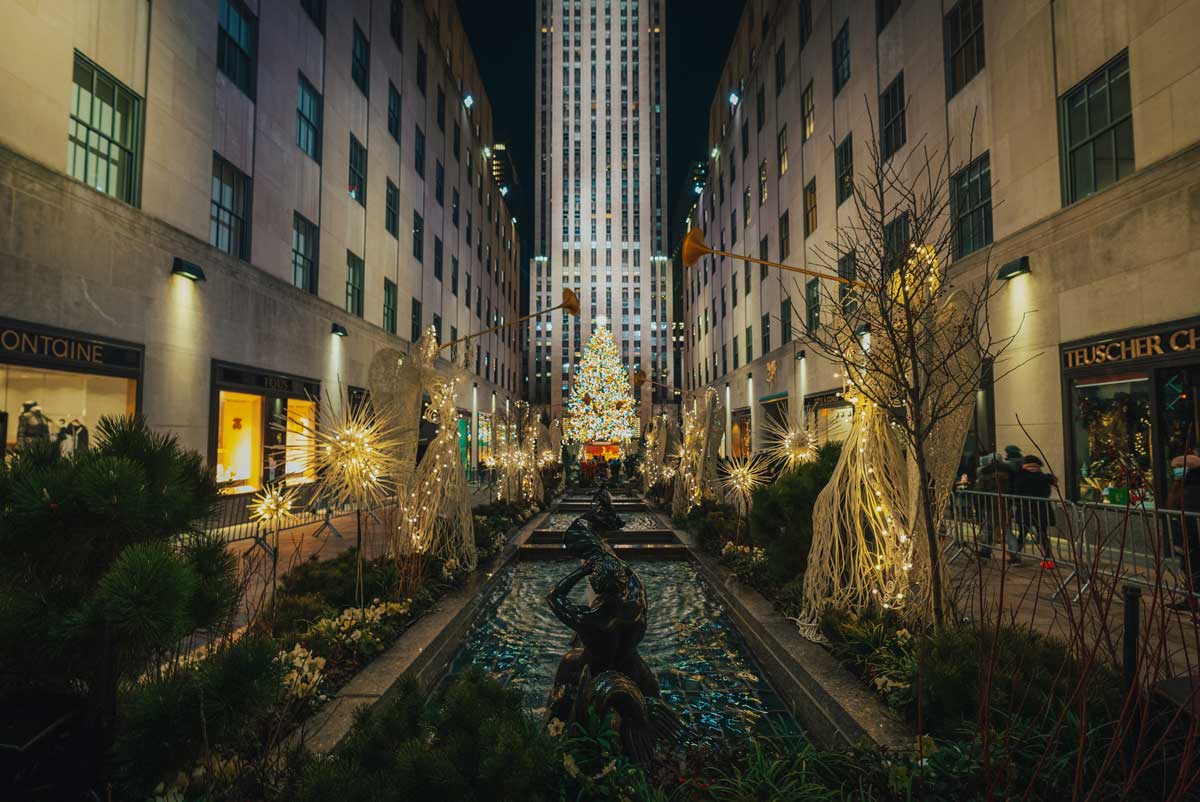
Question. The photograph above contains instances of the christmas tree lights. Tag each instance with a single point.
(600, 407)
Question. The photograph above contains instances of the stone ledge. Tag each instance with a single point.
(422, 651)
(832, 705)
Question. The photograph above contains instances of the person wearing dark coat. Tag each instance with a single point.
(1032, 516)
(1184, 497)
(993, 479)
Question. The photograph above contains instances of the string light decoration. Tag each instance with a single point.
(788, 446)
(740, 477)
(600, 407)
(516, 455)
(273, 505)
(696, 468)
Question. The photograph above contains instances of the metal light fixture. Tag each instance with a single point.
(188, 270)
(487, 152)
(1017, 267)
(801, 354)
(339, 330)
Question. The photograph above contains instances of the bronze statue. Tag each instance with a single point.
(603, 516)
(603, 670)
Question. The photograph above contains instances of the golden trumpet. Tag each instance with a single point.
(694, 248)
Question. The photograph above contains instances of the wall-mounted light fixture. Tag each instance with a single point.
(1017, 267)
(734, 98)
(715, 152)
(801, 354)
(468, 100)
(189, 270)
(339, 330)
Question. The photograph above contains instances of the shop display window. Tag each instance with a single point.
(485, 437)
(739, 436)
(240, 442)
(1113, 439)
(298, 448)
(60, 406)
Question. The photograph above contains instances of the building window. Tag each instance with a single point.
(805, 21)
(841, 58)
(415, 332)
(396, 23)
(810, 208)
(391, 211)
(847, 267)
(360, 60)
(763, 253)
(891, 118)
(785, 226)
(418, 237)
(304, 254)
(355, 279)
(736, 352)
(437, 327)
(812, 304)
(439, 183)
(884, 11)
(749, 344)
(440, 110)
(419, 152)
(808, 119)
(422, 69)
(229, 211)
(964, 44)
(104, 132)
(358, 172)
(895, 242)
(454, 204)
(760, 109)
(762, 182)
(781, 150)
(785, 321)
(1097, 126)
(316, 12)
(437, 257)
(844, 166)
(971, 206)
(389, 305)
(393, 118)
(766, 333)
(454, 275)
(457, 140)
(308, 119)
(780, 70)
(235, 45)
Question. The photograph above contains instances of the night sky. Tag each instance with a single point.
(698, 37)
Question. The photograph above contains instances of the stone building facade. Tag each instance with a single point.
(1074, 130)
(324, 166)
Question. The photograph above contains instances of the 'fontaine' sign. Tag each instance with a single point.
(37, 345)
(1155, 344)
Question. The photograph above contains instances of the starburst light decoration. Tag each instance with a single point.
(273, 504)
(740, 477)
(788, 445)
(600, 407)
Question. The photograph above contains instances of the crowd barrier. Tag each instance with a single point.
(1134, 544)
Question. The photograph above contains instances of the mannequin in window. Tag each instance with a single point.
(72, 437)
(32, 424)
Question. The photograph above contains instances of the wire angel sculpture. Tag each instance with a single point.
(696, 474)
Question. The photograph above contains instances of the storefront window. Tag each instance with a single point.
(485, 437)
(59, 406)
(1179, 411)
(739, 435)
(464, 439)
(240, 442)
(298, 454)
(1112, 439)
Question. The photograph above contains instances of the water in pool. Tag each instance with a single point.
(703, 666)
(634, 521)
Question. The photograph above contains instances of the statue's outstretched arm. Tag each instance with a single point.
(567, 611)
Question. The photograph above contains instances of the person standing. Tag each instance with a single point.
(1183, 503)
(992, 481)
(1031, 488)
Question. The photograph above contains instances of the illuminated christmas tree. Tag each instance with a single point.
(600, 407)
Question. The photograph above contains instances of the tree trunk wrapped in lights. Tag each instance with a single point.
(910, 340)
(600, 408)
(516, 455)
(696, 472)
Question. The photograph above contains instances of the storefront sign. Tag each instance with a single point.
(273, 384)
(1172, 341)
(36, 345)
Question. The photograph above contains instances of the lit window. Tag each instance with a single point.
(239, 442)
(807, 113)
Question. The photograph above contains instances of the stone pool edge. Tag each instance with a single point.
(828, 701)
(422, 651)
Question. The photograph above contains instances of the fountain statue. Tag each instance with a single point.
(603, 516)
(603, 670)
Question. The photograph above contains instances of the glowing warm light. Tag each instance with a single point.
(741, 476)
(788, 446)
(600, 407)
(273, 505)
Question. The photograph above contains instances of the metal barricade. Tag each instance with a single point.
(1134, 544)
(232, 517)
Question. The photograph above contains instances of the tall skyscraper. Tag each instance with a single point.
(600, 191)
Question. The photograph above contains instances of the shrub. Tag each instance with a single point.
(781, 515)
(336, 580)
